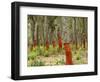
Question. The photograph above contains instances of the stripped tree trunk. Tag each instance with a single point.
(68, 54)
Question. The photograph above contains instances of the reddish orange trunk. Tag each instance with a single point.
(60, 42)
(47, 44)
(54, 44)
(68, 54)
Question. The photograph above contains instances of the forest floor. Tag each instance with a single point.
(59, 58)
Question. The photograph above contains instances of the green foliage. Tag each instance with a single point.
(38, 63)
(46, 53)
(40, 50)
(32, 55)
(56, 48)
(79, 55)
(60, 62)
(51, 49)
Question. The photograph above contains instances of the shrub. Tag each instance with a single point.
(32, 54)
(79, 55)
(38, 63)
(60, 62)
(51, 49)
(46, 53)
(40, 50)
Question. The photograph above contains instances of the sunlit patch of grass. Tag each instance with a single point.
(78, 55)
(38, 63)
(46, 53)
(32, 55)
(60, 62)
(40, 50)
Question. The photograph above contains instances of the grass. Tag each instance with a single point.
(60, 62)
(38, 63)
(40, 51)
